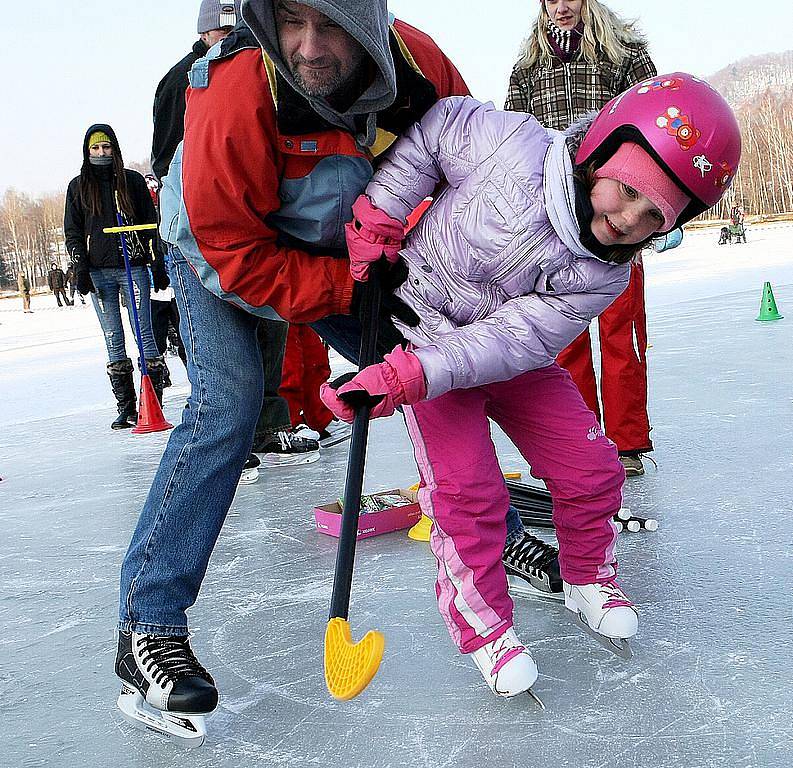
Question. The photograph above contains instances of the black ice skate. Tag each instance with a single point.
(533, 568)
(250, 470)
(163, 673)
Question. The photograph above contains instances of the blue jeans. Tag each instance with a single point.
(198, 473)
(108, 283)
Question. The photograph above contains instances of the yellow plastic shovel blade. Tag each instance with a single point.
(350, 667)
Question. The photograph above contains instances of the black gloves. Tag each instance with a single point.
(84, 283)
(159, 274)
(390, 306)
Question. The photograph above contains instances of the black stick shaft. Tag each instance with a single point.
(353, 486)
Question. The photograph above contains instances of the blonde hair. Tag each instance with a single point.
(605, 34)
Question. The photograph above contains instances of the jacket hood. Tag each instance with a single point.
(367, 21)
(566, 200)
(576, 131)
(105, 128)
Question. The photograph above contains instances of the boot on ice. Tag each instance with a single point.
(605, 612)
(123, 386)
(164, 687)
(532, 567)
(507, 666)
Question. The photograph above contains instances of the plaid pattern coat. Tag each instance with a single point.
(562, 93)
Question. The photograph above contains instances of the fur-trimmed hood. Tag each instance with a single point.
(575, 133)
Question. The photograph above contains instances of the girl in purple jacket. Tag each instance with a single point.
(529, 237)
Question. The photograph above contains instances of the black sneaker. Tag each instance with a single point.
(285, 449)
(533, 568)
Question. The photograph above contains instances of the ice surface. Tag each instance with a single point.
(710, 683)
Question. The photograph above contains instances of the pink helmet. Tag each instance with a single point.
(684, 123)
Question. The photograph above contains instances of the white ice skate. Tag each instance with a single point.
(164, 688)
(605, 612)
(507, 667)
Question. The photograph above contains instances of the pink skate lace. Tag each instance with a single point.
(616, 597)
(504, 652)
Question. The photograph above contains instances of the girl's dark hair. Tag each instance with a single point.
(90, 195)
(617, 254)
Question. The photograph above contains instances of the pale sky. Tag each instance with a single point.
(68, 64)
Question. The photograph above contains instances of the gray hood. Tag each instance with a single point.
(367, 21)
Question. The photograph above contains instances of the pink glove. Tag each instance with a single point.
(371, 235)
(399, 380)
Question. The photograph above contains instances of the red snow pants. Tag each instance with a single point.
(623, 368)
(305, 368)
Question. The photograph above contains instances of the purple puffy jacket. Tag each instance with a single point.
(497, 273)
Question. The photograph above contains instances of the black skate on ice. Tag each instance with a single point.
(532, 568)
(250, 470)
(164, 688)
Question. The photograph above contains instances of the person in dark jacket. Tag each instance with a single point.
(71, 284)
(103, 189)
(215, 20)
(56, 282)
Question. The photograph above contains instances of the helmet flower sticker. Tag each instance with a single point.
(680, 126)
(656, 84)
(724, 176)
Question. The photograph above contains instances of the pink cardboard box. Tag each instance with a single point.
(328, 517)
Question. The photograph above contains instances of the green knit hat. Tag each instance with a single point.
(97, 137)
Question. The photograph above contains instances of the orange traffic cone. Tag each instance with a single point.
(150, 418)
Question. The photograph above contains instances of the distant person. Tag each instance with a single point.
(737, 227)
(103, 188)
(71, 283)
(23, 284)
(579, 55)
(164, 313)
(56, 282)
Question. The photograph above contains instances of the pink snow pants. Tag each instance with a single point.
(464, 493)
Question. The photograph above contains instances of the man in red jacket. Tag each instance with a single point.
(285, 122)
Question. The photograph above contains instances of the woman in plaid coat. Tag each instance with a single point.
(578, 56)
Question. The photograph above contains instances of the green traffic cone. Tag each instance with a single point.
(768, 310)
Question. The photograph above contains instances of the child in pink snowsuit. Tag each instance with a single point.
(529, 237)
